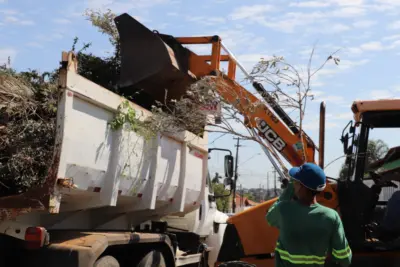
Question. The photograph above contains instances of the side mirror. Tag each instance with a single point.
(228, 166)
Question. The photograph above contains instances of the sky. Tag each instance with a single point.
(34, 33)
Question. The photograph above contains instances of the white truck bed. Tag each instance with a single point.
(96, 167)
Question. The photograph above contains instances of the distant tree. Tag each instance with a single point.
(376, 150)
(249, 196)
(223, 203)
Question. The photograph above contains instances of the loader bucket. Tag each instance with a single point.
(151, 63)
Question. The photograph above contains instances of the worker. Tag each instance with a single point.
(308, 230)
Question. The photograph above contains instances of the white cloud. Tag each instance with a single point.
(11, 19)
(310, 4)
(354, 50)
(314, 125)
(348, 2)
(338, 27)
(206, 20)
(388, 2)
(364, 23)
(348, 12)
(250, 60)
(391, 37)
(333, 120)
(375, 45)
(326, 3)
(341, 116)
(372, 46)
(8, 11)
(239, 38)
(331, 98)
(17, 21)
(121, 7)
(383, 94)
(62, 21)
(395, 25)
(245, 12)
(5, 53)
(50, 37)
(331, 70)
(26, 22)
(347, 64)
(289, 21)
(34, 44)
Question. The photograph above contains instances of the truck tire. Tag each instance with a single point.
(237, 264)
(153, 258)
(106, 261)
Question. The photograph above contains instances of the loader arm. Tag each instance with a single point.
(152, 61)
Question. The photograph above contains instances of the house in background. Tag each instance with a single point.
(242, 203)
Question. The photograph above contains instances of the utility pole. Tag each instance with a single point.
(268, 185)
(236, 175)
(241, 196)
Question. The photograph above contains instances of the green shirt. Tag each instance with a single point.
(308, 234)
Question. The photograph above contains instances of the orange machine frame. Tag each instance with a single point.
(251, 224)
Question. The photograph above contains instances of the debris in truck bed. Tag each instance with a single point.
(28, 108)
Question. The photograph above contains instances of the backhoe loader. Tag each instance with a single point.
(151, 61)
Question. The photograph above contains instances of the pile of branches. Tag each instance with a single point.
(28, 111)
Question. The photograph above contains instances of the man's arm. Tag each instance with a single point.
(274, 216)
(341, 251)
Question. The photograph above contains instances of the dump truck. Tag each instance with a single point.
(114, 198)
(111, 197)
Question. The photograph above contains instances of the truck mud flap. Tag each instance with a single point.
(151, 63)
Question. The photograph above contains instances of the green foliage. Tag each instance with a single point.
(126, 115)
(28, 109)
(376, 150)
(104, 22)
(223, 203)
(103, 71)
(249, 196)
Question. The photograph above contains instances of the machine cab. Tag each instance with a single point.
(363, 180)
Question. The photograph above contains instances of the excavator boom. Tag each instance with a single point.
(152, 62)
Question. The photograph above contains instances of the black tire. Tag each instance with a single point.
(237, 264)
(106, 261)
(153, 258)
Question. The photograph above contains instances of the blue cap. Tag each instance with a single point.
(310, 175)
